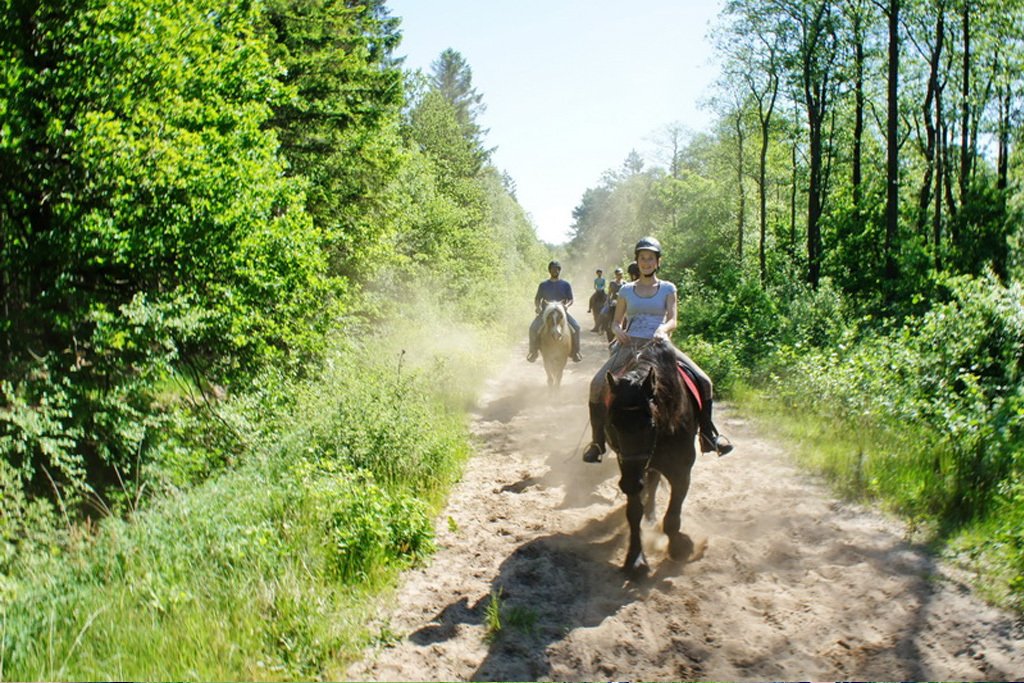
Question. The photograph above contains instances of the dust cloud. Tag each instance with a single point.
(786, 582)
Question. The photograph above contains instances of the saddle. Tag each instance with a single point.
(689, 381)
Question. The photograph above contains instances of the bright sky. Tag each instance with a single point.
(570, 86)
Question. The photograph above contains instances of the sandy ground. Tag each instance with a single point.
(787, 582)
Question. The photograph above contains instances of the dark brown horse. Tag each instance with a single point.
(651, 425)
(605, 318)
(597, 301)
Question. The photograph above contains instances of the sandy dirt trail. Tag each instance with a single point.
(787, 582)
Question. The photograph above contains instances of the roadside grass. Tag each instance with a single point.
(271, 569)
(498, 615)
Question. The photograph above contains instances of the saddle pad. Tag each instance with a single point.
(691, 385)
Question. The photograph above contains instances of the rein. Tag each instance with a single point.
(631, 363)
(634, 359)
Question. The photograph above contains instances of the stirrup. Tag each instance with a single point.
(715, 444)
(594, 453)
(532, 356)
(707, 444)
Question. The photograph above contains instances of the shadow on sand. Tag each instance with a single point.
(545, 590)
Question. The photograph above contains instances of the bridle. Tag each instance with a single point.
(628, 366)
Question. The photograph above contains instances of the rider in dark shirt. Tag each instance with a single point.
(615, 285)
(553, 289)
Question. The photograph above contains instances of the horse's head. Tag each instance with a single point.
(554, 316)
(632, 426)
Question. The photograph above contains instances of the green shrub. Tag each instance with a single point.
(718, 360)
(934, 408)
(368, 530)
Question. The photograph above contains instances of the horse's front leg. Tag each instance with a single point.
(636, 563)
(632, 484)
(680, 546)
(650, 495)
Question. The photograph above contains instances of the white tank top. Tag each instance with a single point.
(645, 313)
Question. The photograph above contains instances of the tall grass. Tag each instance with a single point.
(262, 572)
(927, 418)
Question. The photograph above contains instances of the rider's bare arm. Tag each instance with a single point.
(671, 313)
(620, 313)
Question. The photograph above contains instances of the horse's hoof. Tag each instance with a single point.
(593, 454)
(637, 569)
(680, 547)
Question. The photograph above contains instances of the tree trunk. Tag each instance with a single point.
(742, 210)
(892, 189)
(966, 153)
(858, 116)
(814, 200)
(792, 203)
(763, 197)
(931, 110)
(765, 116)
(1003, 157)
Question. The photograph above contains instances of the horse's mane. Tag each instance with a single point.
(670, 396)
(550, 307)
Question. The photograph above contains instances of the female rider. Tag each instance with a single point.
(650, 304)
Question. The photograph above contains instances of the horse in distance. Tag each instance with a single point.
(555, 340)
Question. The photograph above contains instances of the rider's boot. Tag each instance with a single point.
(595, 451)
(710, 440)
(576, 357)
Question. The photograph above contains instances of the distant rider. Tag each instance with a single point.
(609, 304)
(553, 289)
(599, 283)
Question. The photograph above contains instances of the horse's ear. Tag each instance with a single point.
(649, 381)
(613, 383)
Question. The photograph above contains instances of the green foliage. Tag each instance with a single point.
(148, 228)
(959, 386)
(719, 361)
(340, 129)
(379, 426)
(492, 615)
(368, 529)
(258, 571)
(197, 200)
(927, 416)
(461, 235)
(452, 77)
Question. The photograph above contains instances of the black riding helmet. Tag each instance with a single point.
(634, 269)
(648, 243)
(554, 264)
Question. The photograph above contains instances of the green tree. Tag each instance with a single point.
(148, 227)
(339, 129)
(452, 76)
